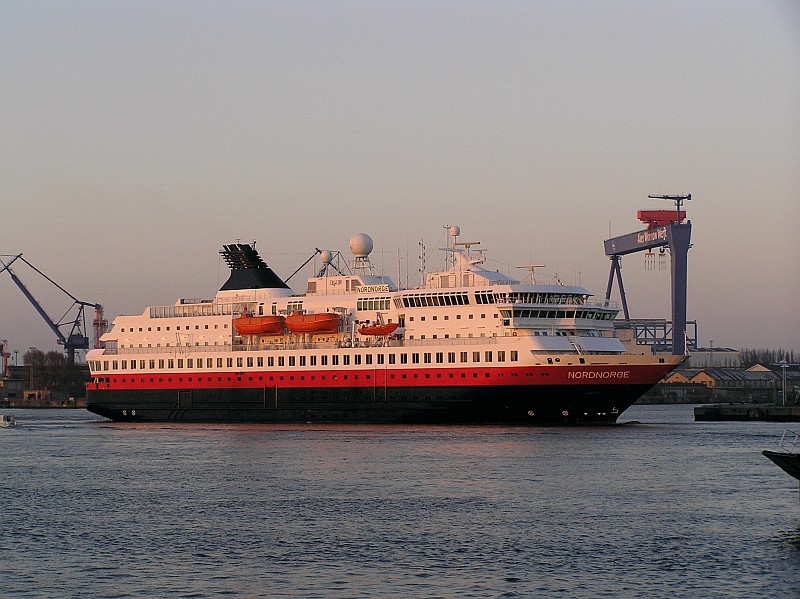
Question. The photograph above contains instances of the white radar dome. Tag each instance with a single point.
(326, 256)
(455, 231)
(361, 245)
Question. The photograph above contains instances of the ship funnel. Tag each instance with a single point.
(248, 269)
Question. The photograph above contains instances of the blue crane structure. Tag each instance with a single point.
(665, 229)
(76, 339)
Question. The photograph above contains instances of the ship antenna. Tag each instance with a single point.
(422, 262)
(530, 268)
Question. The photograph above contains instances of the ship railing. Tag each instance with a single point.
(340, 344)
(361, 343)
(172, 349)
(790, 441)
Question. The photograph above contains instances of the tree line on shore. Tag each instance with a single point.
(52, 371)
(767, 357)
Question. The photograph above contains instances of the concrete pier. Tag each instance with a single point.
(764, 412)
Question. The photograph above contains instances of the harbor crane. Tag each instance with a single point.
(76, 338)
(665, 229)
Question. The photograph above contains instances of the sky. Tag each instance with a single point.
(140, 136)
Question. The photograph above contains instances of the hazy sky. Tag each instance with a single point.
(138, 137)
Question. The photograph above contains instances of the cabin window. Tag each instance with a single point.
(313, 360)
(439, 357)
(476, 356)
(369, 359)
(415, 358)
(404, 358)
(229, 362)
(463, 356)
(270, 361)
(219, 363)
(427, 357)
(291, 360)
(487, 356)
(260, 362)
(281, 361)
(335, 360)
(249, 361)
(451, 357)
(501, 356)
(152, 364)
(346, 360)
(391, 359)
(324, 360)
(358, 359)
(239, 363)
(380, 359)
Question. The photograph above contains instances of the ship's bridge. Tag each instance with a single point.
(349, 284)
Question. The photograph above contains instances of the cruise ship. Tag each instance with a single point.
(469, 345)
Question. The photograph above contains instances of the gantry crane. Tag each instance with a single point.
(665, 229)
(76, 339)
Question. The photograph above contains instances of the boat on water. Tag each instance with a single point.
(7, 421)
(787, 456)
(469, 345)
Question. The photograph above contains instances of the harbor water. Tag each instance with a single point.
(660, 506)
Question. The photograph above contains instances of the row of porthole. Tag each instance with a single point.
(125, 412)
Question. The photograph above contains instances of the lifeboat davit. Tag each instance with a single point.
(325, 322)
(379, 329)
(258, 325)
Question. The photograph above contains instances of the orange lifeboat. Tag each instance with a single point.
(325, 322)
(258, 325)
(379, 329)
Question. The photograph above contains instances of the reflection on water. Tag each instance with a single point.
(790, 538)
(659, 507)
